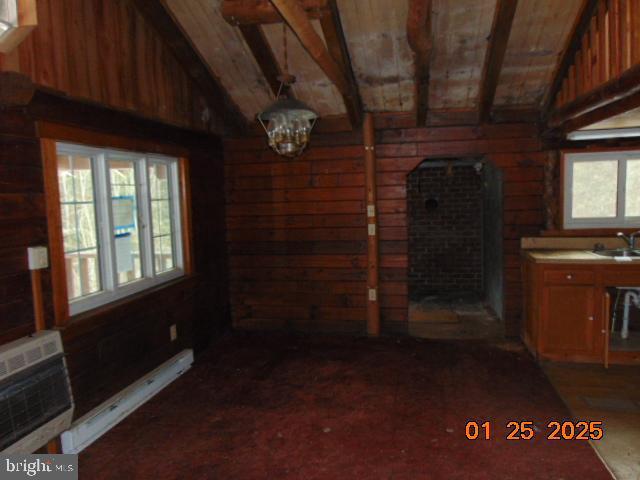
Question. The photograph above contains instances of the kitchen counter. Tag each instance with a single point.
(576, 256)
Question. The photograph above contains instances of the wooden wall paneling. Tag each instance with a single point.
(118, 60)
(313, 248)
(110, 347)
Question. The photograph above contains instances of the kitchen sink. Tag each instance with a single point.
(618, 252)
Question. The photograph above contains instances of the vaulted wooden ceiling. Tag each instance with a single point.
(438, 62)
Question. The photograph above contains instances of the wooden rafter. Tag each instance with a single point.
(603, 112)
(260, 12)
(296, 17)
(613, 91)
(337, 45)
(217, 97)
(500, 31)
(420, 40)
(581, 25)
(255, 39)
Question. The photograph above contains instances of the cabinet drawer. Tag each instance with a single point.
(569, 277)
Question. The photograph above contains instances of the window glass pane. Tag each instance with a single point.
(595, 189)
(125, 220)
(162, 227)
(632, 200)
(79, 230)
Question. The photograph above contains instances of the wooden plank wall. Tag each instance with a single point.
(297, 228)
(104, 51)
(22, 221)
(108, 351)
(609, 47)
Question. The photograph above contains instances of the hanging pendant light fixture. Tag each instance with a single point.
(287, 121)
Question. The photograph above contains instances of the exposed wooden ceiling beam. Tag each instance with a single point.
(254, 12)
(587, 11)
(223, 108)
(255, 39)
(420, 40)
(337, 45)
(603, 112)
(296, 17)
(613, 91)
(500, 31)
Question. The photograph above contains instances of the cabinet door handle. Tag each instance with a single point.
(590, 318)
(569, 276)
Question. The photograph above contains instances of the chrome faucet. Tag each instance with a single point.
(630, 239)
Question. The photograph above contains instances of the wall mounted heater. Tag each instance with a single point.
(36, 403)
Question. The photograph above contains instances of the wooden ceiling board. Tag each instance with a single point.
(538, 37)
(382, 61)
(225, 52)
(460, 38)
(312, 85)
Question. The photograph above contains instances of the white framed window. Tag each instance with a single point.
(602, 190)
(121, 223)
(8, 16)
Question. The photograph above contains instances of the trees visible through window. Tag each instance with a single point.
(121, 224)
(602, 190)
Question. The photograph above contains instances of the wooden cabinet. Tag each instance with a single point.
(569, 320)
(564, 307)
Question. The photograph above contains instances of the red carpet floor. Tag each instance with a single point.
(275, 406)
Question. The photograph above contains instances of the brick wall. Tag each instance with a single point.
(445, 231)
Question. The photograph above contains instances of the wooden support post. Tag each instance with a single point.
(38, 304)
(373, 304)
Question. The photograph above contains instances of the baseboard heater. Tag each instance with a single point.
(100, 420)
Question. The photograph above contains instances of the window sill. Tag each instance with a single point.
(587, 232)
(83, 322)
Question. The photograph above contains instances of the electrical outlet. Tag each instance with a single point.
(173, 332)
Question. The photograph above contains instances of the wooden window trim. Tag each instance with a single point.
(27, 21)
(52, 133)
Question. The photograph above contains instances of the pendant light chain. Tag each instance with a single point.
(285, 74)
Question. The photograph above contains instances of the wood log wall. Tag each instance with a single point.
(608, 48)
(297, 231)
(109, 350)
(104, 51)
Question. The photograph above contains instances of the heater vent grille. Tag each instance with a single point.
(34, 355)
(50, 348)
(16, 363)
(31, 398)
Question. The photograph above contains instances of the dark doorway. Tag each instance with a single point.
(455, 249)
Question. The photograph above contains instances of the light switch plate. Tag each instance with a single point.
(38, 258)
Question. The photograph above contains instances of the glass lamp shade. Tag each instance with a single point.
(288, 124)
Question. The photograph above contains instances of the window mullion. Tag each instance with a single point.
(144, 214)
(622, 189)
(105, 222)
